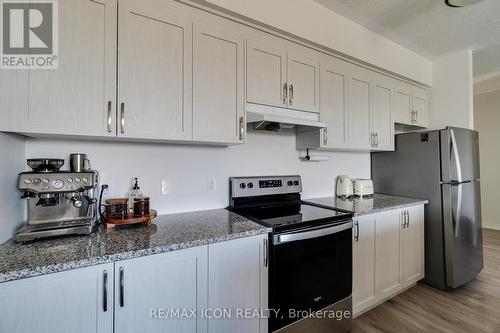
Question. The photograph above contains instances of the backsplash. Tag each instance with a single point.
(187, 169)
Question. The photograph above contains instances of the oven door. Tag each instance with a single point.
(311, 270)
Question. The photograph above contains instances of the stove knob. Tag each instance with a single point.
(45, 181)
(27, 181)
(84, 179)
(77, 180)
(290, 183)
(250, 185)
(296, 183)
(37, 181)
(70, 180)
(243, 185)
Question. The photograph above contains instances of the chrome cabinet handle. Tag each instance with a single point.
(408, 218)
(266, 255)
(356, 236)
(291, 94)
(105, 291)
(376, 139)
(325, 136)
(285, 93)
(122, 288)
(122, 117)
(110, 120)
(242, 128)
(403, 222)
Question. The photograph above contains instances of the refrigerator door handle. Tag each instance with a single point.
(454, 151)
(458, 215)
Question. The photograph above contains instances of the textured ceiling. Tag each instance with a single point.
(430, 28)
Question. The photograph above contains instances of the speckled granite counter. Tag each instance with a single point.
(369, 205)
(167, 233)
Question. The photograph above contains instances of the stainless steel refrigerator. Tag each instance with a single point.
(443, 167)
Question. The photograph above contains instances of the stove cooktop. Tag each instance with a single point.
(293, 216)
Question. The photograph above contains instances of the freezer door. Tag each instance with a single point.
(462, 232)
(459, 155)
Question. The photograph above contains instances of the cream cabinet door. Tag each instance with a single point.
(78, 301)
(78, 98)
(414, 269)
(154, 71)
(364, 290)
(389, 253)
(382, 128)
(218, 83)
(238, 279)
(333, 103)
(402, 104)
(360, 101)
(266, 72)
(420, 107)
(303, 79)
(150, 290)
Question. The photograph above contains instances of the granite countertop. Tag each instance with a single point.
(166, 233)
(368, 205)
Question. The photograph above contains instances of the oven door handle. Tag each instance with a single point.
(297, 236)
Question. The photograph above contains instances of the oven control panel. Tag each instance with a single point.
(257, 186)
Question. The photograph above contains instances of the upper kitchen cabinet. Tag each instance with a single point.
(218, 82)
(333, 106)
(410, 105)
(360, 104)
(282, 74)
(381, 125)
(77, 98)
(420, 107)
(303, 79)
(266, 72)
(154, 71)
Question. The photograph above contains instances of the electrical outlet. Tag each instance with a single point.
(211, 185)
(166, 186)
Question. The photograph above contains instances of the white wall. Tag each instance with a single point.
(312, 21)
(486, 119)
(12, 208)
(451, 97)
(189, 167)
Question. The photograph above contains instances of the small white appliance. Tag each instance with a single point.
(363, 187)
(344, 187)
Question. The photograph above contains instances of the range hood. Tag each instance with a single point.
(274, 119)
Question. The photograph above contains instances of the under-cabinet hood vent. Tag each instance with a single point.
(276, 119)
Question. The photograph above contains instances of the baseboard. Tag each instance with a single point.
(491, 226)
(383, 300)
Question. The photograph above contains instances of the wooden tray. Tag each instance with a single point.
(146, 220)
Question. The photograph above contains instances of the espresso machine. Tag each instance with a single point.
(59, 202)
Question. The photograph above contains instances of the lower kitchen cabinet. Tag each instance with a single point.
(414, 267)
(183, 291)
(237, 281)
(363, 268)
(388, 255)
(79, 300)
(158, 293)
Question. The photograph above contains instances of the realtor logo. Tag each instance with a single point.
(29, 34)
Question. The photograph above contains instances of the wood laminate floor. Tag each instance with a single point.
(472, 308)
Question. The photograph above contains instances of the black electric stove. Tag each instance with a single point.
(310, 261)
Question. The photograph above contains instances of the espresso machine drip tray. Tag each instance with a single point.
(36, 231)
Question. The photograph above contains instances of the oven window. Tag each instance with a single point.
(309, 275)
